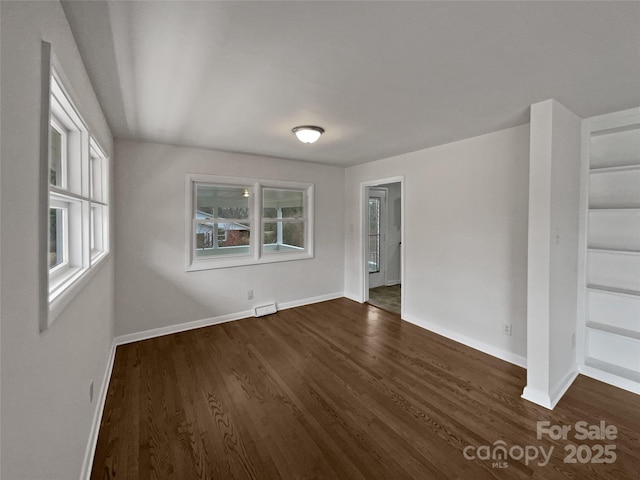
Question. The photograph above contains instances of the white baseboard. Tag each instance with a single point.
(206, 322)
(89, 453)
(610, 378)
(181, 327)
(352, 296)
(551, 399)
(468, 341)
(391, 283)
(309, 301)
(561, 387)
(538, 397)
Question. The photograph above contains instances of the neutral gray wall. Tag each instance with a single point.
(153, 290)
(465, 241)
(46, 414)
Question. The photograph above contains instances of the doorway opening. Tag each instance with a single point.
(383, 244)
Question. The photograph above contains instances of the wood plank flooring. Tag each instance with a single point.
(339, 390)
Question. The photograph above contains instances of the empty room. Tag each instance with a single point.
(365, 240)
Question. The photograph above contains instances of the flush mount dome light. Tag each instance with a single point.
(308, 133)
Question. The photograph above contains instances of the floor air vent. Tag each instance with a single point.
(265, 310)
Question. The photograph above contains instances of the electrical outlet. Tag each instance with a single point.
(91, 392)
(573, 340)
(250, 295)
(506, 329)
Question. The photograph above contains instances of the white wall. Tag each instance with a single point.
(152, 288)
(553, 251)
(46, 414)
(393, 233)
(465, 244)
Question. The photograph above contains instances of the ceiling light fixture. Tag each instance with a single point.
(246, 193)
(308, 133)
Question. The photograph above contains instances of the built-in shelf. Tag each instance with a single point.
(623, 332)
(610, 323)
(617, 291)
(613, 369)
(618, 168)
(613, 250)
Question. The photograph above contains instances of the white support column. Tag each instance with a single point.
(554, 186)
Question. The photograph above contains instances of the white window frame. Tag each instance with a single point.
(73, 195)
(64, 240)
(256, 253)
(55, 123)
(267, 249)
(98, 229)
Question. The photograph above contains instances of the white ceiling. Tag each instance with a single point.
(382, 78)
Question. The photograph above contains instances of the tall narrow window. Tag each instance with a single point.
(78, 202)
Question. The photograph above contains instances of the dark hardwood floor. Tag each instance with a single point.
(339, 390)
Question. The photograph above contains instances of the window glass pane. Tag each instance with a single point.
(293, 234)
(286, 205)
(56, 237)
(92, 229)
(374, 235)
(270, 212)
(55, 168)
(97, 230)
(95, 184)
(282, 203)
(293, 212)
(232, 238)
(283, 236)
(270, 233)
(221, 201)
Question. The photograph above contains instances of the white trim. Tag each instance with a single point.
(90, 451)
(600, 124)
(310, 300)
(43, 188)
(536, 396)
(181, 327)
(562, 385)
(497, 352)
(354, 297)
(206, 322)
(362, 224)
(391, 283)
(610, 378)
(382, 194)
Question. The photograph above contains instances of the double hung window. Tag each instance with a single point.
(78, 230)
(239, 221)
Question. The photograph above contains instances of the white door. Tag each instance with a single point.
(376, 245)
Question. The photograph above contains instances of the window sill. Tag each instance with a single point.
(66, 289)
(271, 257)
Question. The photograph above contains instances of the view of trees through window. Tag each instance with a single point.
(225, 218)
